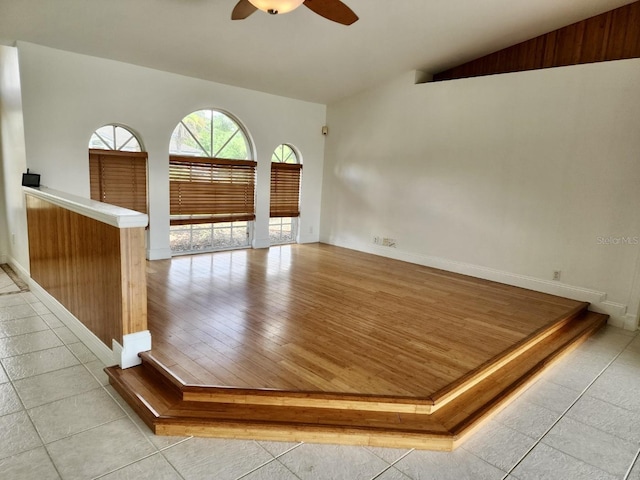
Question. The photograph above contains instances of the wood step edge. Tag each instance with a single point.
(162, 372)
(141, 408)
(462, 430)
(244, 427)
(344, 401)
(477, 375)
(262, 396)
(306, 433)
(400, 437)
(381, 403)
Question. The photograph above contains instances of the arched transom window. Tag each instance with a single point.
(210, 133)
(115, 137)
(284, 154)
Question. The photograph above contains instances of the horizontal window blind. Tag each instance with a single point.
(211, 190)
(119, 178)
(285, 189)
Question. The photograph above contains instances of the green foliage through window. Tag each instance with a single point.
(284, 154)
(210, 133)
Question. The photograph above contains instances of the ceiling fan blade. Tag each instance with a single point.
(242, 10)
(333, 10)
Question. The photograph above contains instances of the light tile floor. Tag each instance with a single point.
(6, 284)
(59, 418)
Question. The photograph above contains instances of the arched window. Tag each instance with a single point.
(118, 168)
(211, 183)
(115, 137)
(284, 209)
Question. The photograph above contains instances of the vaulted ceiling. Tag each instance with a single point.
(299, 54)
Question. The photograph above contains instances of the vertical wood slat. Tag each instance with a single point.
(95, 270)
(614, 35)
(134, 284)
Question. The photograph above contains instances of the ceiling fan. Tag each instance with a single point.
(333, 10)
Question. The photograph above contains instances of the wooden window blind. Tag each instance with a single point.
(119, 178)
(211, 190)
(285, 189)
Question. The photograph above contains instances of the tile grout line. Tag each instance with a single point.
(633, 462)
(135, 424)
(275, 458)
(26, 411)
(33, 425)
(392, 465)
(125, 415)
(159, 451)
(127, 465)
(537, 442)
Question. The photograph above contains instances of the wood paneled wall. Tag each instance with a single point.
(614, 35)
(97, 271)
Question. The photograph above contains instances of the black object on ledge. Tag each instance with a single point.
(30, 179)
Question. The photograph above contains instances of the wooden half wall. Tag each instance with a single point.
(90, 257)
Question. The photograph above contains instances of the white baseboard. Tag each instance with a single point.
(3, 258)
(85, 335)
(133, 343)
(261, 243)
(308, 239)
(617, 312)
(630, 322)
(126, 355)
(21, 271)
(158, 253)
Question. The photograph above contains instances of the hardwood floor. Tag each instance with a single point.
(322, 344)
(318, 318)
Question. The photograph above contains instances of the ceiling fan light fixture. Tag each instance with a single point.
(276, 6)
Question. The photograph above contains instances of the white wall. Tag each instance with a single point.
(67, 96)
(507, 177)
(12, 164)
(4, 234)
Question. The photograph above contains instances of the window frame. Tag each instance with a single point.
(111, 167)
(286, 178)
(219, 166)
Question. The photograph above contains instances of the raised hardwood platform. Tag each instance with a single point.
(425, 355)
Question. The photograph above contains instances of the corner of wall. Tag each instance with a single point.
(13, 158)
(630, 322)
(158, 253)
(21, 270)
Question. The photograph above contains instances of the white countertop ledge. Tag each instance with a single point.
(103, 212)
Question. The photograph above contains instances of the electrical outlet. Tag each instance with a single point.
(377, 241)
(556, 274)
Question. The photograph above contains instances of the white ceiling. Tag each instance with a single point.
(299, 54)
